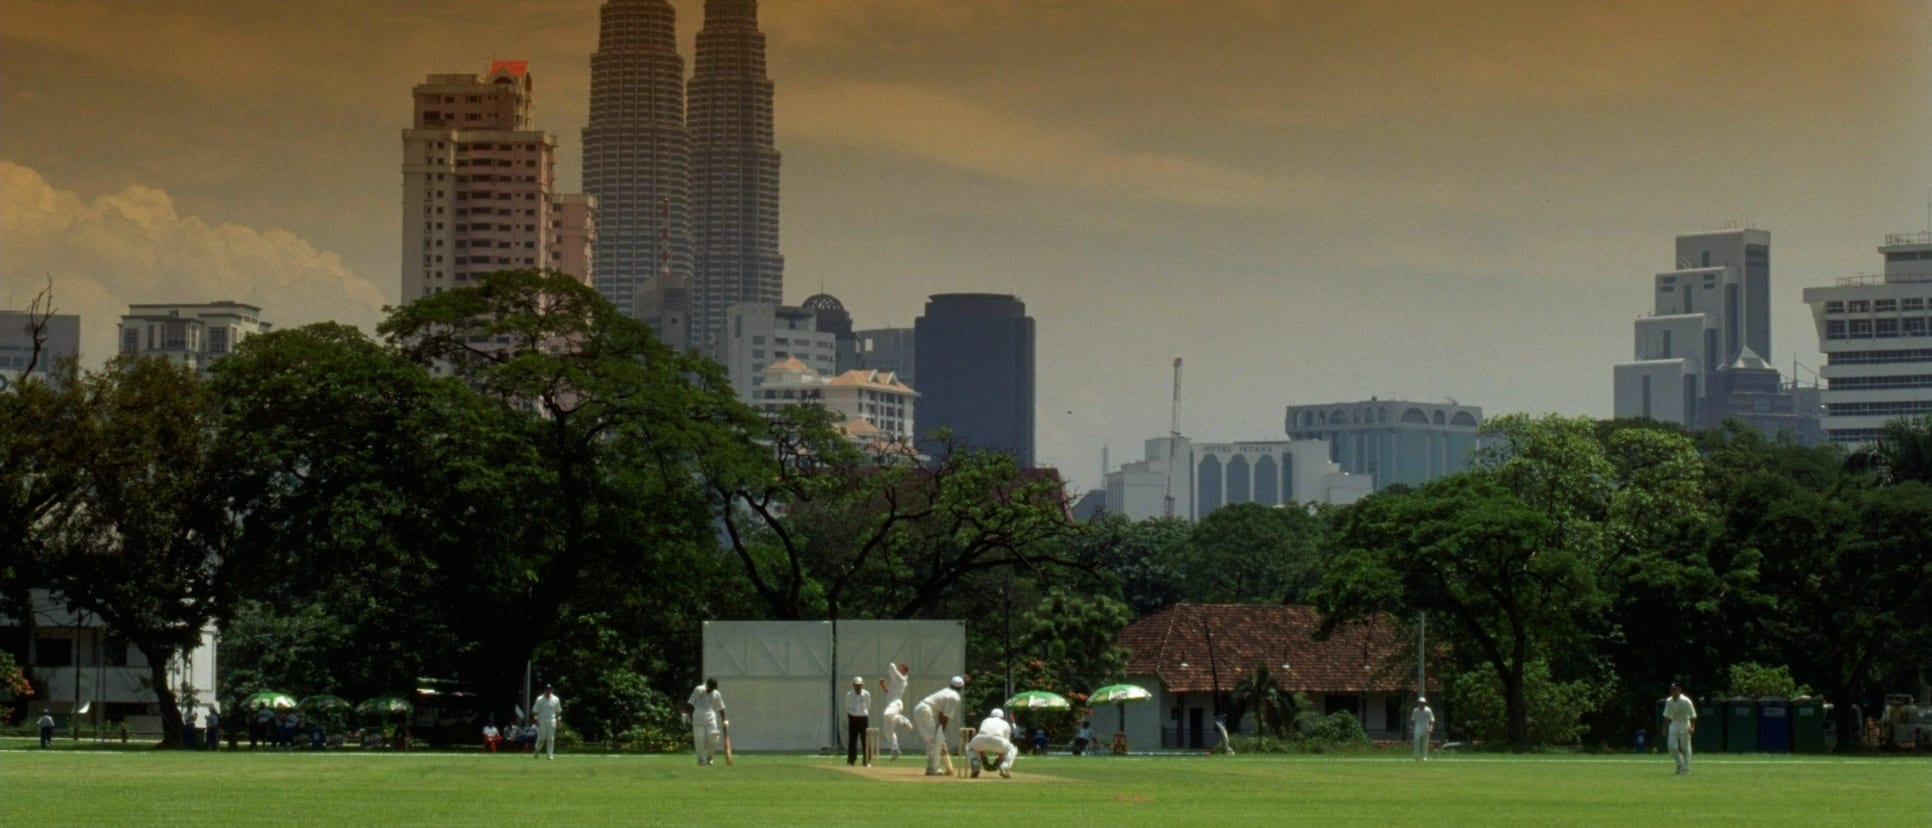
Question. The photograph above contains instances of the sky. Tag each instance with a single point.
(1309, 202)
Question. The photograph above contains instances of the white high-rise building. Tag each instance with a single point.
(479, 190)
(195, 335)
(1876, 334)
(1202, 477)
(757, 334)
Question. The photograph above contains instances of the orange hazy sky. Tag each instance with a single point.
(1309, 201)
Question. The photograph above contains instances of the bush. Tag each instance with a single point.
(1339, 729)
(1756, 681)
(1554, 708)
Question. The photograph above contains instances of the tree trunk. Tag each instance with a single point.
(1515, 710)
(171, 722)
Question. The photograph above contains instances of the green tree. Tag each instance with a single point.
(1552, 707)
(1074, 635)
(1494, 570)
(1135, 559)
(1846, 580)
(1250, 553)
(1275, 710)
(1756, 681)
(138, 531)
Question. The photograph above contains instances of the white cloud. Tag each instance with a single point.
(134, 246)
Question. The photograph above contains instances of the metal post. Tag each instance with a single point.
(1421, 652)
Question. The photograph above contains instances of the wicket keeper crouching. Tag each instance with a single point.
(993, 746)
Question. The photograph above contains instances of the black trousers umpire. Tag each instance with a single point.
(855, 727)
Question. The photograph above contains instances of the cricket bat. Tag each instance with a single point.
(726, 729)
(945, 752)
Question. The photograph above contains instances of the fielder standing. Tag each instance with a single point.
(931, 715)
(995, 737)
(1422, 722)
(707, 710)
(1683, 723)
(858, 716)
(546, 708)
(895, 710)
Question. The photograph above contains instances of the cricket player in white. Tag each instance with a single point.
(546, 708)
(707, 709)
(1682, 716)
(995, 736)
(1422, 722)
(895, 710)
(931, 715)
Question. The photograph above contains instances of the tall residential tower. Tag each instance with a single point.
(479, 186)
(734, 170)
(637, 162)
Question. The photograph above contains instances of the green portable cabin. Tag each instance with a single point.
(1710, 728)
(1808, 725)
(1774, 725)
(1740, 725)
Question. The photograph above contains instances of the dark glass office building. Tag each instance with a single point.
(976, 373)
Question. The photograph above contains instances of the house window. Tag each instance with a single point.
(53, 652)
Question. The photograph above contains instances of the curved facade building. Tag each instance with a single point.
(637, 162)
(734, 170)
(1396, 441)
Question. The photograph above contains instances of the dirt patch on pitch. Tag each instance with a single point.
(915, 771)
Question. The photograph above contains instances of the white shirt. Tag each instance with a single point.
(944, 703)
(489, 731)
(46, 720)
(858, 702)
(897, 680)
(994, 726)
(705, 704)
(546, 708)
(1422, 717)
(1679, 710)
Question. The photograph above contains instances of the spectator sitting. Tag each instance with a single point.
(1085, 738)
(491, 738)
(528, 738)
(1039, 741)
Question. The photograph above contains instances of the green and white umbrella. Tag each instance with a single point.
(325, 703)
(385, 705)
(269, 699)
(1038, 700)
(1120, 694)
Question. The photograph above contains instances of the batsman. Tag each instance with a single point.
(931, 716)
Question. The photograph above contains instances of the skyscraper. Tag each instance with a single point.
(479, 185)
(734, 170)
(976, 373)
(637, 162)
(1702, 356)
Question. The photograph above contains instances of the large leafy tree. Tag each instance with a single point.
(1074, 636)
(1846, 583)
(820, 525)
(1251, 553)
(1137, 560)
(136, 528)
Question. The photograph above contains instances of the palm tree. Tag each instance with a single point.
(1903, 451)
(1274, 709)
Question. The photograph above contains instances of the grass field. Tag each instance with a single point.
(133, 787)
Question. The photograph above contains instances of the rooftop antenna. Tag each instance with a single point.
(1173, 441)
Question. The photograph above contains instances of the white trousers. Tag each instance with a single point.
(927, 725)
(895, 719)
(1680, 746)
(1421, 742)
(995, 744)
(546, 738)
(706, 739)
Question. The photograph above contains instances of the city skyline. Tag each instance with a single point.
(1309, 203)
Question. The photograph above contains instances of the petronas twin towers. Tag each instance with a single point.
(687, 188)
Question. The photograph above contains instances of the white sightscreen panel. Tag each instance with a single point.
(771, 674)
(935, 649)
(781, 691)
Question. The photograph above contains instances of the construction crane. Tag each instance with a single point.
(1173, 441)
